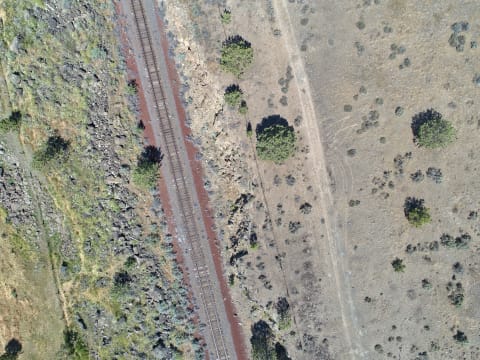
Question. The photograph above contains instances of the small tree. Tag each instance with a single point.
(236, 55)
(416, 212)
(262, 341)
(275, 139)
(146, 173)
(398, 265)
(233, 95)
(430, 130)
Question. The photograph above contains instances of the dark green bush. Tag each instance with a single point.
(236, 55)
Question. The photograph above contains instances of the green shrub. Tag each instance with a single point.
(226, 17)
(236, 55)
(275, 142)
(233, 95)
(55, 148)
(398, 265)
(262, 341)
(416, 212)
(11, 123)
(430, 130)
(146, 173)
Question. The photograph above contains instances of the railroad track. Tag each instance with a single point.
(183, 192)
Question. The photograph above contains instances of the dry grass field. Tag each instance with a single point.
(350, 77)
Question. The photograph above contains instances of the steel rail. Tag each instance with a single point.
(172, 156)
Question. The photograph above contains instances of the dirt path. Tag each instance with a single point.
(334, 235)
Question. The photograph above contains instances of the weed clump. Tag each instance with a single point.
(236, 55)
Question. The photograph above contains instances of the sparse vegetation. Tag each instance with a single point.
(426, 284)
(459, 242)
(275, 140)
(416, 212)
(146, 173)
(430, 130)
(456, 295)
(236, 55)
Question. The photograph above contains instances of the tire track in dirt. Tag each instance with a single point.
(335, 242)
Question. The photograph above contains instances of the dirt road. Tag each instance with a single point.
(334, 234)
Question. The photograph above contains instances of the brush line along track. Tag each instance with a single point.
(172, 156)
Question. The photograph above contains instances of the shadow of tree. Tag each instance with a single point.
(412, 203)
(422, 118)
(12, 349)
(269, 121)
(150, 155)
(233, 88)
(237, 40)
